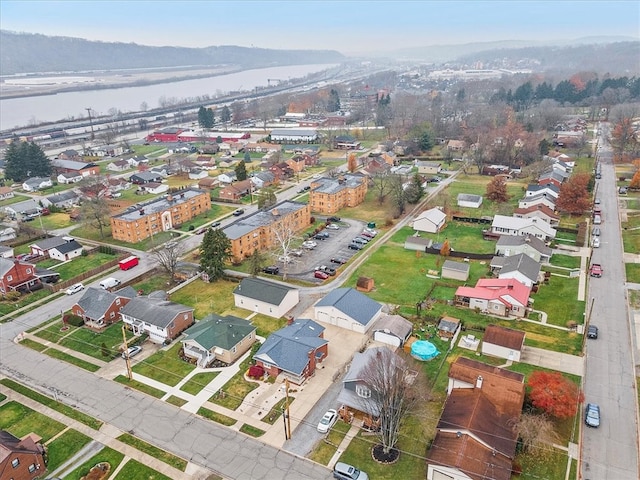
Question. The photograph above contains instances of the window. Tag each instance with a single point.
(112, 314)
(363, 391)
(233, 350)
(32, 468)
(9, 278)
(15, 462)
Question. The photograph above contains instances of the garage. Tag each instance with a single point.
(346, 323)
(386, 337)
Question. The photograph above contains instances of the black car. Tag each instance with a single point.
(333, 219)
(355, 246)
(321, 236)
(272, 270)
(215, 224)
(238, 212)
(339, 261)
(592, 332)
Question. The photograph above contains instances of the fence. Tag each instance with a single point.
(457, 254)
(484, 220)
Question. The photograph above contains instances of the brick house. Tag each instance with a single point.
(237, 190)
(18, 276)
(21, 458)
(99, 307)
(161, 319)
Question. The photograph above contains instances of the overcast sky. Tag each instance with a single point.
(347, 26)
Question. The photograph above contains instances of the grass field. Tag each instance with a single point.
(64, 447)
(134, 469)
(20, 420)
(107, 455)
(154, 451)
(165, 366)
(196, 383)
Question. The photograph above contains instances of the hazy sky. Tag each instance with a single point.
(346, 26)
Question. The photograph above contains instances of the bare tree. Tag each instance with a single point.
(285, 231)
(109, 134)
(381, 185)
(96, 213)
(168, 256)
(536, 434)
(397, 194)
(389, 393)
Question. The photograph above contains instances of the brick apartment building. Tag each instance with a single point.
(328, 195)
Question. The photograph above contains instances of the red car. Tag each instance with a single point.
(320, 274)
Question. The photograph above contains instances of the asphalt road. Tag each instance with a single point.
(610, 451)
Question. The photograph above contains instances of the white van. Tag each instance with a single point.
(597, 219)
(110, 282)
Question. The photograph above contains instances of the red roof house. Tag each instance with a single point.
(497, 296)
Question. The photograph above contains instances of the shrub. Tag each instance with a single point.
(74, 320)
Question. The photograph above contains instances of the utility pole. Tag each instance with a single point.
(93, 136)
(287, 408)
(126, 354)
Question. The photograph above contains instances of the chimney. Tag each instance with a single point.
(479, 381)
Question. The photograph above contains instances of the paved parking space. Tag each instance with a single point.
(336, 245)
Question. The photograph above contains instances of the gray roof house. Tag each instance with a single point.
(393, 330)
(356, 394)
(66, 251)
(294, 350)
(509, 245)
(262, 296)
(430, 221)
(218, 338)
(62, 200)
(162, 320)
(42, 246)
(25, 209)
(503, 225)
(469, 200)
(99, 307)
(36, 183)
(521, 267)
(413, 242)
(348, 308)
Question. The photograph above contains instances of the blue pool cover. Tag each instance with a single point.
(423, 350)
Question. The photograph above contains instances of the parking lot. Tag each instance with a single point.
(335, 246)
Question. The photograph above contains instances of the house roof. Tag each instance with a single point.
(24, 206)
(6, 264)
(352, 303)
(522, 263)
(261, 218)
(395, 324)
(469, 197)
(51, 242)
(146, 176)
(448, 324)
(289, 347)
(504, 337)
(537, 208)
(549, 187)
(462, 267)
(12, 444)
(470, 456)
(35, 181)
(519, 240)
(420, 241)
(156, 312)
(216, 331)
(333, 185)
(508, 291)
(96, 301)
(72, 164)
(67, 247)
(262, 290)
(62, 197)
(433, 215)
(159, 204)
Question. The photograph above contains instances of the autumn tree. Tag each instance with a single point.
(445, 250)
(215, 251)
(574, 195)
(635, 181)
(623, 137)
(168, 256)
(497, 190)
(554, 394)
(96, 213)
(352, 162)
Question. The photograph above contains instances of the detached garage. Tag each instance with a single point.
(349, 309)
(393, 330)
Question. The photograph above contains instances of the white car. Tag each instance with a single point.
(310, 244)
(328, 420)
(596, 242)
(332, 226)
(75, 288)
(132, 351)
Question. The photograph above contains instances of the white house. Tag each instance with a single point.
(349, 309)
(503, 342)
(430, 221)
(503, 225)
(468, 200)
(198, 173)
(280, 135)
(227, 177)
(69, 177)
(535, 200)
(428, 168)
(520, 267)
(155, 188)
(36, 183)
(66, 251)
(261, 296)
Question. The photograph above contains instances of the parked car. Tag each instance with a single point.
(330, 270)
(344, 471)
(296, 253)
(339, 261)
(320, 274)
(238, 212)
(623, 190)
(595, 242)
(201, 230)
(592, 332)
(328, 420)
(595, 270)
(333, 219)
(131, 351)
(333, 226)
(310, 244)
(271, 270)
(371, 231)
(592, 415)
(361, 240)
(320, 236)
(597, 219)
(596, 231)
(215, 224)
(367, 234)
(75, 288)
(285, 259)
(355, 246)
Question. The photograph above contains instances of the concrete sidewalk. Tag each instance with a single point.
(562, 362)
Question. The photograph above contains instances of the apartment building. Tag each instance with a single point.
(165, 213)
(328, 195)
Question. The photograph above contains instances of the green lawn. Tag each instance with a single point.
(82, 264)
(325, 450)
(206, 298)
(196, 383)
(237, 388)
(20, 420)
(7, 307)
(91, 343)
(142, 387)
(216, 417)
(251, 430)
(155, 452)
(65, 357)
(274, 414)
(559, 299)
(633, 272)
(134, 469)
(631, 233)
(64, 447)
(565, 261)
(107, 454)
(165, 366)
(54, 221)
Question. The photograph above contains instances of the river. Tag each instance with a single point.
(21, 112)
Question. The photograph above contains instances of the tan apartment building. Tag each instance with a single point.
(260, 230)
(168, 212)
(328, 195)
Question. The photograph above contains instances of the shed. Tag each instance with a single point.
(393, 330)
(417, 243)
(468, 200)
(447, 327)
(455, 270)
(430, 221)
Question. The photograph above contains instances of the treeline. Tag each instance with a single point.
(576, 90)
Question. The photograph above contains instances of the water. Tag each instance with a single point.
(20, 112)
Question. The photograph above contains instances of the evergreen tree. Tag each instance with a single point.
(24, 160)
(333, 104)
(215, 251)
(247, 157)
(241, 171)
(225, 116)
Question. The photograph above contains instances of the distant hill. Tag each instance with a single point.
(35, 53)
